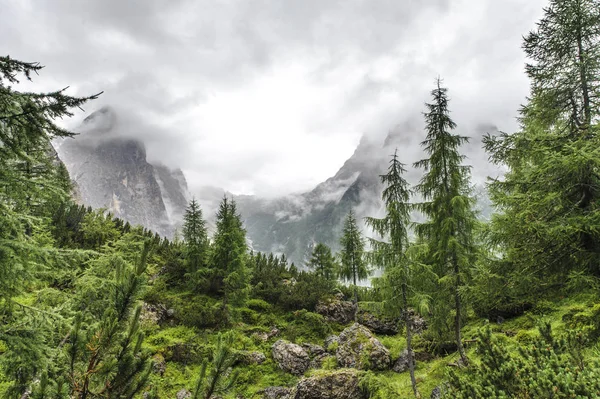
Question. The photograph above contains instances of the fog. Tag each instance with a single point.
(271, 97)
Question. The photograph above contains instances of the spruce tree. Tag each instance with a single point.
(322, 262)
(448, 207)
(353, 266)
(195, 236)
(231, 275)
(391, 253)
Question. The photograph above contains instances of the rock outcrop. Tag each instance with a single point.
(337, 310)
(359, 349)
(378, 324)
(277, 393)
(336, 385)
(401, 364)
(290, 357)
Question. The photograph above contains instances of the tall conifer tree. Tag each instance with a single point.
(322, 262)
(549, 197)
(391, 253)
(448, 231)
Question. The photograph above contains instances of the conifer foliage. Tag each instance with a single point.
(353, 266)
(392, 253)
(322, 262)
(195, 236)
(451, 220)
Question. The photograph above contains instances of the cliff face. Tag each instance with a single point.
(111, 171)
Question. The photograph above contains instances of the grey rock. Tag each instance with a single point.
(253, 357)
(358, 348)
(313, 350)
(277, 393)
(183, 394)
(401, 364)
(436, 393)
(337, 311)
(318, 361)
(290, 357)
(336, 385)
(378, 324)
(331, 343)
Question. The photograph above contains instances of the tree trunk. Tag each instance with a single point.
(408, 324)
(457, 324)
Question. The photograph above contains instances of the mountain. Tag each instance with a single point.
(111, 171)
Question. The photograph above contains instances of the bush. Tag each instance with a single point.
(259, 305)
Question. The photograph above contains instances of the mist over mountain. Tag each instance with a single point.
(111, 171)
(109, 164)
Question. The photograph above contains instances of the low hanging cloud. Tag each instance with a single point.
(271, 97)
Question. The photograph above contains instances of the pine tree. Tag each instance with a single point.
(218, 378)
(391, 254)
(229, 256)
(353, 266)
(195, 236)
(322, 262)
(448, 231)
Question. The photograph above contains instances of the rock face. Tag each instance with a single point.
(290, 357)
(358, 348)
(378, 324)
(111, 171)
(337, 385)
(337, 310)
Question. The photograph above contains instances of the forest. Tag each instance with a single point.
(92, 307)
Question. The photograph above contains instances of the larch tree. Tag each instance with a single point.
(448, 207)
(27, 125)
(352, 262)
(548, 200)
(391, 252)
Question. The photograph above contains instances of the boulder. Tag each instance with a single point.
(436, 393)
(317, 361)
(378, 324)
(313, 350)
(290, 357)
(253, 357)
(336, 385)
(401, 365)
(277, 393)
(183, 394)
(418, 323)
(155, 313)
(337, 310)
(359, 349)
(159, 366)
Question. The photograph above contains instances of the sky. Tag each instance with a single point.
(270, 97)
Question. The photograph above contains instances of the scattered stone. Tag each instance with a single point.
(290, 357)
(183, 394)
(379, 325)
(337, 310)
(253, 357)
(336, 385)
(401, 365)
(277, 393)
(159, 364)
(436, 393)
(358, 348)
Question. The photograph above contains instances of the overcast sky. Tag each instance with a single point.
(272, 96)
